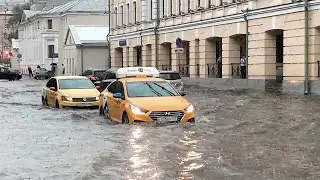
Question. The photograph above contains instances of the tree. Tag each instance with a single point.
(17, 11)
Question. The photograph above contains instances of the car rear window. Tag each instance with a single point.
(170, 76)
(98, 73)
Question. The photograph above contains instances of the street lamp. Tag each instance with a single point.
(245, 16)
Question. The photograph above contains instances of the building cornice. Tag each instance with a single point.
(253, 14)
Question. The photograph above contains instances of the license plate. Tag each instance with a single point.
(167, 119)
(84, 104)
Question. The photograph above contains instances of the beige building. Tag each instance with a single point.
(85, 47)
(213, 29)
(43, 33)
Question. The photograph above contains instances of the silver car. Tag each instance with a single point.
(43, 73)
(173, 78)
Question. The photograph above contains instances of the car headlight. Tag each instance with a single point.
(97, 98)
(66, 98)
(190, 108)
(137, 110)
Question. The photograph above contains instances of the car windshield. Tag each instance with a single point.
(98, 73)
(75, 84)
(150, 89)
(170, 76)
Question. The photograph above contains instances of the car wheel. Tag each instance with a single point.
(125, 118)
(57, 104)
(105, 111)
(44, 101)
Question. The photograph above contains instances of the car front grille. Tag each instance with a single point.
(158, 114)
(89, 99)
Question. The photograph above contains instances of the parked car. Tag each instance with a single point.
(174, 79)
(43, 73)
(107, 77)
(11, 75)
(93, 74)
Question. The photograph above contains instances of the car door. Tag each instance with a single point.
(120, 103)
(111, 101)
(51, 95)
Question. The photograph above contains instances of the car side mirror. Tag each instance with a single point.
(117, 95)
(182, 93)
(52, 88)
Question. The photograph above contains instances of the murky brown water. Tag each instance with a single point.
(238, 135)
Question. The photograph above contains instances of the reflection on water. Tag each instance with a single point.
(191, 160)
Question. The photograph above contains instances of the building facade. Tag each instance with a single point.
(85, 47)
(213, 34)
(42, 33)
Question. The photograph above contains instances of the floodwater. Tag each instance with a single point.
(238, 135)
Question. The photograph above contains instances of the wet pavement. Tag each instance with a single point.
(238, 135)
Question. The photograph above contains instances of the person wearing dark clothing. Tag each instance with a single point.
(243, 68)
(30, 71)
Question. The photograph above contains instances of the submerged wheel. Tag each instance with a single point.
(57, 104)
(105, 111)
(125, 118)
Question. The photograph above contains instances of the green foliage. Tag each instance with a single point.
(17, 11)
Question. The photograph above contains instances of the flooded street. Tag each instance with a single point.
(237, 135)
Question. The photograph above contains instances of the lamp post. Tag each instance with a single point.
(245, 16)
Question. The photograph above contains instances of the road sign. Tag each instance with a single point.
(179, 42)
(179, 50)
(19, 56)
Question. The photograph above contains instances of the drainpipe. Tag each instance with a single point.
(108, 36)
(156, 33)
(306, 55)
(81, 51)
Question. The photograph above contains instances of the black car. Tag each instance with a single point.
(107, 77)
(5, 73)
(93, 74)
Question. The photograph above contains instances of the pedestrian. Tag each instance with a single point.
(30, 71)
(63, 70)
(243, 67)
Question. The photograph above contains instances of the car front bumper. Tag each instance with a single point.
(148, 117)
(79, 104)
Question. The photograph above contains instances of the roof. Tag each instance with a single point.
(30, 13)
(83, 34)
(70, 77)
(134, 79)
(80, 6)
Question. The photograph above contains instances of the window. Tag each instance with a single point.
(75, 84)
(38, 24)
(179, 7)
(189, 5)
(128, 13)
(113, 87)
(199, 3)
(116, 16)
(120, 87)
(49, 23)
(135, 11)
(150, 89)
(170, 7)
(170, 76)
(122, 16)
(151, 9)
(50, 51)
(52, 83)
(87, 73)
(163, 8)
(209, 3)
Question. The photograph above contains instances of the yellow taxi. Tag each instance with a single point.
(70, 91)
(139, 95)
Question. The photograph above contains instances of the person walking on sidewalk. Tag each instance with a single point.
(243, 67)
(30, 71)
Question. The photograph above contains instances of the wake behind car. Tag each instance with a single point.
(70, 91)
(139, 95)
(11, 75)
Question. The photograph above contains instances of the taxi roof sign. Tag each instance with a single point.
(137, 72)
